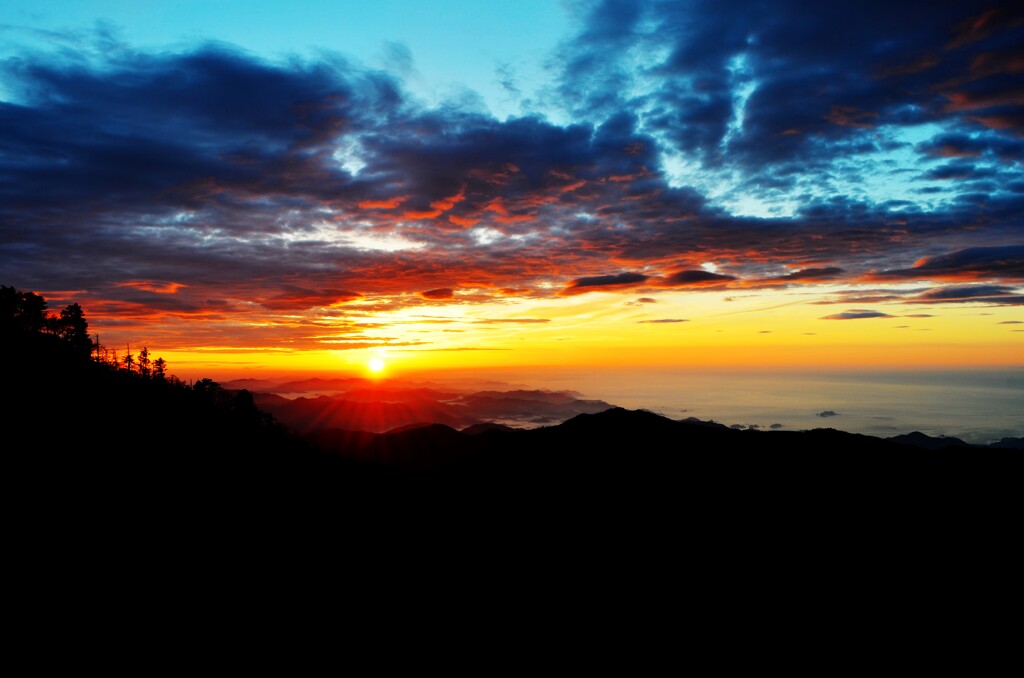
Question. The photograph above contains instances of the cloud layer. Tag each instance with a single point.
(207, 186)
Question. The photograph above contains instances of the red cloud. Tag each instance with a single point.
(463, 221)
(153, 286)
(391, 203)
(440, 293)
(413, 215)
(446, 204)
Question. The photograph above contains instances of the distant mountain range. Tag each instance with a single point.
(88, 441)
(629, 439)
(378, 408)
(112, 473)
(369, 407)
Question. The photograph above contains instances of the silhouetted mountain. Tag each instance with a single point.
(545, 408)
(383, 408)
(918, 439)
(535, 395)
(477, 429)
(699, 422)
(1009, 444)
(617, 442)
(252, 385)
(397, 395)
(319, 385)
(308, 414)
(88, 445)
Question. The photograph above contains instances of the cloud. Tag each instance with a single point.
(697, 278)
(440, 293)
(665, 320)
(960, 169)
(826, 273)
(154, 286)
(810, 90)
(292, 297)
(213, 187)
(856, 315)
(976, 263)
(970, 294)
(1011, 322)
(598, 282)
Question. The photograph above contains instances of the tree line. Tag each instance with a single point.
(24, 321)
(25, 313)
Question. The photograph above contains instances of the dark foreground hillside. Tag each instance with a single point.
(141, 490)
(97, 432)
(89, 446)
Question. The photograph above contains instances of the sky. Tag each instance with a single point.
(259, 186)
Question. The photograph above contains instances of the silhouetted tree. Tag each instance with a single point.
(244, 407)
(73, 328)
(144, 362)
(21, 311)
(129, 360)
(160, 369)
(208, 389)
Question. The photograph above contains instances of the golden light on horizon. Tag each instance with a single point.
(376, 365)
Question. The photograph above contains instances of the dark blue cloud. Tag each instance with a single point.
(152, 128)
(686, 278)
(599, 281)
(816, 78)
(823, 273)
(962, 145)
(959, 169)
(1003, 262)
(971, 294)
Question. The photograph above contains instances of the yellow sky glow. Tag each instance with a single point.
(760, 329)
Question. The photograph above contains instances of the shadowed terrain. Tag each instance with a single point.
(87, 438)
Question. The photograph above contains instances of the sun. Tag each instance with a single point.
(376, 365)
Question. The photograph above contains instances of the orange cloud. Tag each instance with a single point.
(446, 204)
(463, 221)
(421, 215)
(382, 204)
(153, 286)
(497, 205)
(514, 219)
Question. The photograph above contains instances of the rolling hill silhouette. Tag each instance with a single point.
(89, 441)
